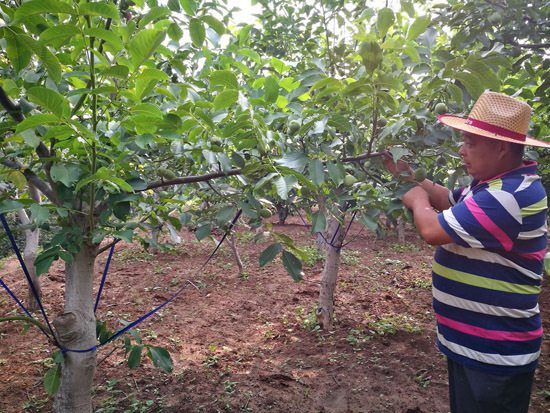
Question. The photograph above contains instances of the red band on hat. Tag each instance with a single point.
(495, 129)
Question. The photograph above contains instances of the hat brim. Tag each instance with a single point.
(457, 122)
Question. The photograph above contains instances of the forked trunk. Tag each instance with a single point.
(76, 331)
(325, 308)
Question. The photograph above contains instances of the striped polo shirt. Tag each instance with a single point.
(486, 284)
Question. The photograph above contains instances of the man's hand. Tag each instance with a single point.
(416, 197)
(401, 168)
(425, 218)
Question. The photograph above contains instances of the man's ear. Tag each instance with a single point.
(504, 148)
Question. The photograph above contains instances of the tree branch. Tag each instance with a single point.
(233, 172)
(532, 46)
(32, 178)
(15, 112)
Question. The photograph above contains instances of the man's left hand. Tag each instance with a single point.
(416, 196)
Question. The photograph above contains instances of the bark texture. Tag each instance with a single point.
(325, 308)
(76, 331)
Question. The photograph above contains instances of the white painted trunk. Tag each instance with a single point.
(31, 251)
(76, 331)
(325, 308)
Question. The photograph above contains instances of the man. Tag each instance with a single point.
(487, 270)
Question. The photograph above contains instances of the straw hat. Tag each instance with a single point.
(499, 117)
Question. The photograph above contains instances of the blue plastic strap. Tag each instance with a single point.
(21, 305)
(27, 275)
(146, 316)
(104, 276)
(223, 237)
(131, 325)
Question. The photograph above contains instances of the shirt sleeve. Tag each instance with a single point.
(485, 220)
(454, 195)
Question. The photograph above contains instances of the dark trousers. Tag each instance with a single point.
(474, 391)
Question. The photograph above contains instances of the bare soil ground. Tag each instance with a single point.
(248, 342)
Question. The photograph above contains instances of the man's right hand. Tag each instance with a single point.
(401, 169)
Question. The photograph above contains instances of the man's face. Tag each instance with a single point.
(479, 156)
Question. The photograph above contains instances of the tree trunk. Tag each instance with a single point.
(31, 251)
(233, 246)
(400, 227)
(325, 308)
(76, 331)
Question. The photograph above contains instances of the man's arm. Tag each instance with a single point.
(438, 194)
(425, 218)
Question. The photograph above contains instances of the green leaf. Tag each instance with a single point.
(385, 20)
(271, 87)
(197, 32)
(282, 188)
(251, 54)
(397, 153)
(203, 232)
(418, 27)
(319, 222)
(340, 123)
(214, 24)
(10, 206)
(52, 378)
(412, 52)
(175, 32)
(148, 109)
(226, 214)
(161, 358)
(226, 99)
(18, 53)
(30, 138)
(32, 7)
(107, 36)
(117, 71)
(44, 260)
(121, 210)
(126, 235)
(471, 82)
(456, 93)
(407, 7)
(279, 65)
(488, 78)
(48, 59)
(225, 78)
(153, 74)
(294, 160)
(336, 172)
(154, 14)
(292, 265)
(134, 359)
(248, 211)
(317, 172)
(58, 33)
(49, 99)
(144, 44)
(40, 213)
(369, 222)
(270, 253)
(36, 120)
(120, 183)
(189, 6)
(102, 9)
